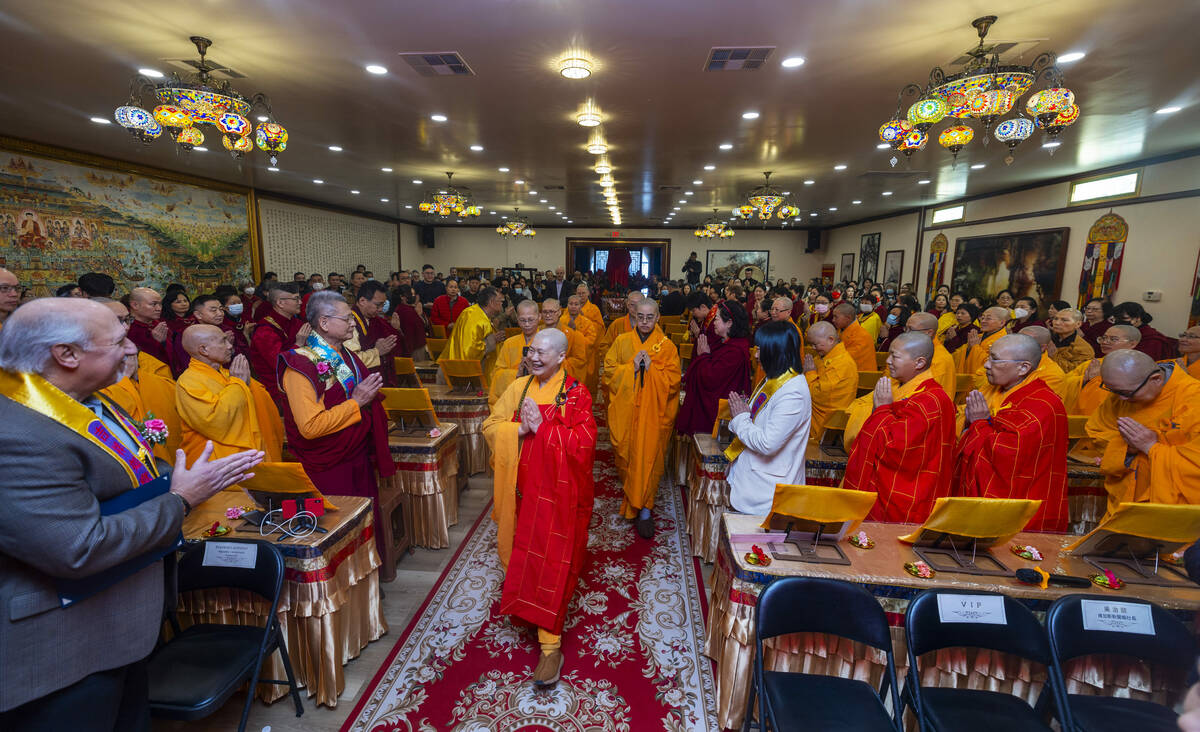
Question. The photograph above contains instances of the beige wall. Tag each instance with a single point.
(1160, 253)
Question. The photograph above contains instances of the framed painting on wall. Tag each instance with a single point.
(847, 272)
(728, 264)
(1029, 263)
(868, 257)
(893, 267)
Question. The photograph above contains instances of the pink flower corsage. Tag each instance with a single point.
(862, 541)
(154, 431)
(234, 512)
(324, 371)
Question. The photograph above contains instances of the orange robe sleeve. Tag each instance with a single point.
(126, 394)
(312, 418)
(508, 359)
(158, 394)
(859, 345)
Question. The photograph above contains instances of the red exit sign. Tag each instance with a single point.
(616, 235)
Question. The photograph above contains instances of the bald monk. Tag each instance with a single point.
(1047, 370)
(590, 332)
(641, 377)
(278, 331)
(147, 330)
(619, 325)
(781, 311)
(588, 309)
(126, 393)
(155, 383)
(854, 337)
(1020, 450)
(979, 344)
(218, 401)
(832, 378)
(1148, 431)
(1082, 391)
(942, 367)
(577, 354)
(474, 338)
(542, 435)
(10, 294)
(902, 446)
(510, 359)
(1189, 351)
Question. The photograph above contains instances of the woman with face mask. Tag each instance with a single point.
(238, 327)
(820, 309)
(955, 337)
(868, 318)
(896, 319)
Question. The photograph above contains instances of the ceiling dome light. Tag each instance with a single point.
(792, 62)
(575, 67)
(749, 115)
(376, 69)
(603, 167)
(589, 115)
(438, 117)
(596, 143)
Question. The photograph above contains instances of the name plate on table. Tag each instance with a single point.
(1117, 617)
(971, 609)
(230, 554)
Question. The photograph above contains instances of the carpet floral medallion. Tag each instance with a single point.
(632, 639)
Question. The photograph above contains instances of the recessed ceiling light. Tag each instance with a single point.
(725, 146)
(683, 200)
(502, 170)
(383, 200)
(335, 148)
(519, 182)
(833, 208)
(408, 205)
(1167, 110)
(675, 209)
(689, 193)
(477, 148)
(386, 170)
(102, 120)
(376, 69)
(792, 62)
(552, 208)
(856, 202)
(354, 191)
(886, 193)
(710, 167)
(978, 166)
(318, 181)
(923, 182)
(1072, 57)
(491, 213)
(840, 166)
(814, 213)
(504, 217)
(575, 67)
(1050, 144)
(438, 117)
(697, 182)
(749, 115)
(541, 200)
(152, 73)
(787, 193)
(569, 221)
(882, 146)
(200, 148)
(809, 182)
(533, 193)
(273, 169)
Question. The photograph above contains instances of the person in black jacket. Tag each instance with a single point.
(692, 269)
(672, 303)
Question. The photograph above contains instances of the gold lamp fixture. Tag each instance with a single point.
(450, 201)
(516, 226)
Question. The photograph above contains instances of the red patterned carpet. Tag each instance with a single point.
(632, 640)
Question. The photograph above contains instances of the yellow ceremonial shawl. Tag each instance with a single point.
(467, 339)
(759, 399)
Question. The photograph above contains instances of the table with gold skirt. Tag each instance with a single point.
(736, 585)
(329, 606)
(427, 471)
(468, 411)
(427, 372)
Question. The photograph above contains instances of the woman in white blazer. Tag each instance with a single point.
(772, 428)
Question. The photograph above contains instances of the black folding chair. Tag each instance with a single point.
(973, 710)
(1171, 645)
(194, 673)
(796, 701)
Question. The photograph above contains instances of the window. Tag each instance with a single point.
(953, 213)
(1106, 188)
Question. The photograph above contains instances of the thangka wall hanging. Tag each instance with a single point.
(1102, 257)
(937, 265)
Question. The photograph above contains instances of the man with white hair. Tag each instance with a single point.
(542, 436)
(1069, 348)
(333, 418)
(1017, 447)
(89, 514)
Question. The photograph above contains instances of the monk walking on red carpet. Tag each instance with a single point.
(542, 435)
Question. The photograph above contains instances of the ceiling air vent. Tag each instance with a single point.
(216, 69)
(726, 58)
(668, 189)
(553, 188)
(438, 63)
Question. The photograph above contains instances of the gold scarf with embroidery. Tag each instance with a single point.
(764, 392)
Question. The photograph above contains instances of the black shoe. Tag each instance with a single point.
(644, 526)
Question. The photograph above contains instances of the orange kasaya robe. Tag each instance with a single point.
(1170, 473)
(832, 385)
(127, 395)
(942, 369)
(903, 451)
(590, 333)
(641, 412)
(859, 345)
(1082, 396)
(158, 395)
(508, 359)
(542, 496)
(234, 415)
(1019, 452)
(592, 313)
(576, 361)
(970, 358)
(615, 328)
(1193, 369)
(1046, 370)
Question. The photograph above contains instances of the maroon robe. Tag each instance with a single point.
(554, 508)
(709, 378)
(1019, 325)
(139, 333)
(274, 335)
(178, 357)
(1092, 332)
(370, 330)
(343, 463)
(241, 347)
(1156, 345)
(412, 328)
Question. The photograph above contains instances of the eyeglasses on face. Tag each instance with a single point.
(1129, 394)
(347, 318)
(5, 289)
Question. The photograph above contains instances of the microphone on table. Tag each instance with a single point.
(1039, 576)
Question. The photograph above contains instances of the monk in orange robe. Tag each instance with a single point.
(1047, 370)
(832, 379)
(970, 357)
(588, 309)
(542, 435)
(1081, 390)
(1189, 351)
(589, 332)
(619, 325)
(576, 360)
(1148, 431)
(904, 449)
(1021, 450)
(125, 393)
(217, 400)
(942, 367)
(641, 378)
(854, 337)
(510, 357)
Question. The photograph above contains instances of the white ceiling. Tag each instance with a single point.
(64, 62)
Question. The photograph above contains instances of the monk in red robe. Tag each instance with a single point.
(542, 434)
(148, 331)
(375, 339)
(905, 449)
(279, 330)
(406, 318)
(332, 416)
(718, 366)
(1021, 450)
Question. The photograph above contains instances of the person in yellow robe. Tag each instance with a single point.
(1148, 431)
(641, 377)
(1047, 370)
(1081, 390)
(587, 308)
(970, 358)
(854, 337)
(126, 393)
(948, 319)
(868, 318)
(474, 338)
(619, 325)
(832, 378)
(574, 319)
(218, 401)
(1189, 351)
(575, 362)
(510, 360)
(942, 367)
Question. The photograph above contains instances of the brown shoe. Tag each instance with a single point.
(644, 526)
(548, 669)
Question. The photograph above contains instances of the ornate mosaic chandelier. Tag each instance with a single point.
(986, 91)
(186, 102)
(515, 226)
(766, 201)
(449, 201)
(713, 228)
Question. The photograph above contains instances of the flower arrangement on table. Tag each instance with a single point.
(919, 569)
(757, 556)
(1025, 551)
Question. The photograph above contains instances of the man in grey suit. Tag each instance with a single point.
(71, 658)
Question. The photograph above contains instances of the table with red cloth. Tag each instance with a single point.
(427, 475)
(736, 585)
(329, 606)
(468, 411)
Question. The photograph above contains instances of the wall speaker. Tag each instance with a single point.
(817, 239)
(428, 237)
